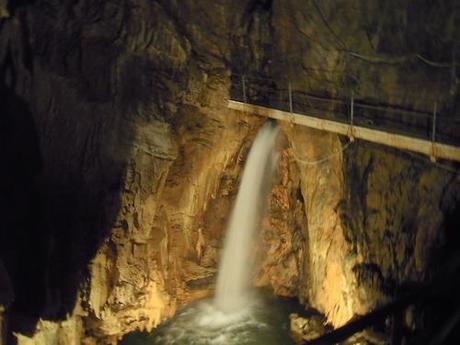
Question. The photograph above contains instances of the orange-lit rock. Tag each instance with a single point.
(327, 284)
(140, 158)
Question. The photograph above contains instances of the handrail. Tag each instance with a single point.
(396, 118)
(285, 80)
(358, 104)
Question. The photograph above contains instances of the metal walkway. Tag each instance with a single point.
(415, 131)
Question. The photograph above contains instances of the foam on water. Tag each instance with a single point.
(235, 315)
(265, 322)
(204, 324)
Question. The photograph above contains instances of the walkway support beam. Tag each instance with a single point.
(372, 135)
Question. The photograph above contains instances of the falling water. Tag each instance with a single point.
(234, 317)
(233, 280)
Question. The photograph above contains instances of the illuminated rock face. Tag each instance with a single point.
(140, 159)
(325, 285)
(375, 220)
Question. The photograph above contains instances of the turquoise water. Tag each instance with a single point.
(264, 321)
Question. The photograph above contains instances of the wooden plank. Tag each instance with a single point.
(399, 141)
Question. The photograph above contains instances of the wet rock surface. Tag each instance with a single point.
(306, 328)
(123, 160)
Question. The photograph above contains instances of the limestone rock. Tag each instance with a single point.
(306, 328)
(138, 159)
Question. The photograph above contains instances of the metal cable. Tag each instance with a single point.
(323, 159)
(344, 147)
(276, 87)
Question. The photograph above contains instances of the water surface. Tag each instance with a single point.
(264, 321)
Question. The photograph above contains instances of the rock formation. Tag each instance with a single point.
(121, 160)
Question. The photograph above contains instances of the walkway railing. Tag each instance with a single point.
(279, 94)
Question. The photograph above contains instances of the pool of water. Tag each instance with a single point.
(265, 320)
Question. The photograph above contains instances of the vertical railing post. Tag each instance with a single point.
(433, 134)
(243, 81)
(290, 96)
(453, 75)
(352, 114)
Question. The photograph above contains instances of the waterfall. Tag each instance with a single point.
(236, 315)
(235, 268)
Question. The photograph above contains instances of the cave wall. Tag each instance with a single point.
(377, 220)
(124, 160)
(134, 143)
(322, 185)
(398, 52)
